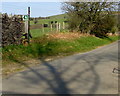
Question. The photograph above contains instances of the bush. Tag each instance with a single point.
(114, 29)
(103, 26)
(91, 17)
(74, 22)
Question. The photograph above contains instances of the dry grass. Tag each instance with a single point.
(66, 36)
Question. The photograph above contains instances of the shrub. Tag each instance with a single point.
(103, 26)
(114, 29)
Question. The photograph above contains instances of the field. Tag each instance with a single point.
(37, 31)
(59, 18)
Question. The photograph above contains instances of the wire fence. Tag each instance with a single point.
(41, 29)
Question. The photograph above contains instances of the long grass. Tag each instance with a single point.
(43, 47)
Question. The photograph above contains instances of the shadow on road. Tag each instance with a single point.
(71, 78)
(61, 85)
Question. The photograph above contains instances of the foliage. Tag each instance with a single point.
(86, 16)
(104, 25)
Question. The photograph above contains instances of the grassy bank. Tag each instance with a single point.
(16, 58)
(53, 47)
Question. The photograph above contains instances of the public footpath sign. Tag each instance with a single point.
(25, 17)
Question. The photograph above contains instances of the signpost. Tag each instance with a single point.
(26, 18)
(29, 25)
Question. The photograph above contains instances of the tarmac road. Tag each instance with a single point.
(83, 73)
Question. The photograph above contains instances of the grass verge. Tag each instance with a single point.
(45, 47)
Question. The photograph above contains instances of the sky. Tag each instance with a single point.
(38, 9)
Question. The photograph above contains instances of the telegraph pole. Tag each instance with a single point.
(28, 25)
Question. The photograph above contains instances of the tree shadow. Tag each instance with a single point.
(60, 77)
(60, 85)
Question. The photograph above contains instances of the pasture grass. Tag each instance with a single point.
(59, 18)
(37, 31)
(40, 32)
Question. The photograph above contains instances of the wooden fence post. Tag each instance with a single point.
(59, 26)
(63, 25)
(51, 27)
(43, 28)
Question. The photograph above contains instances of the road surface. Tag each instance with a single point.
(83, 73)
